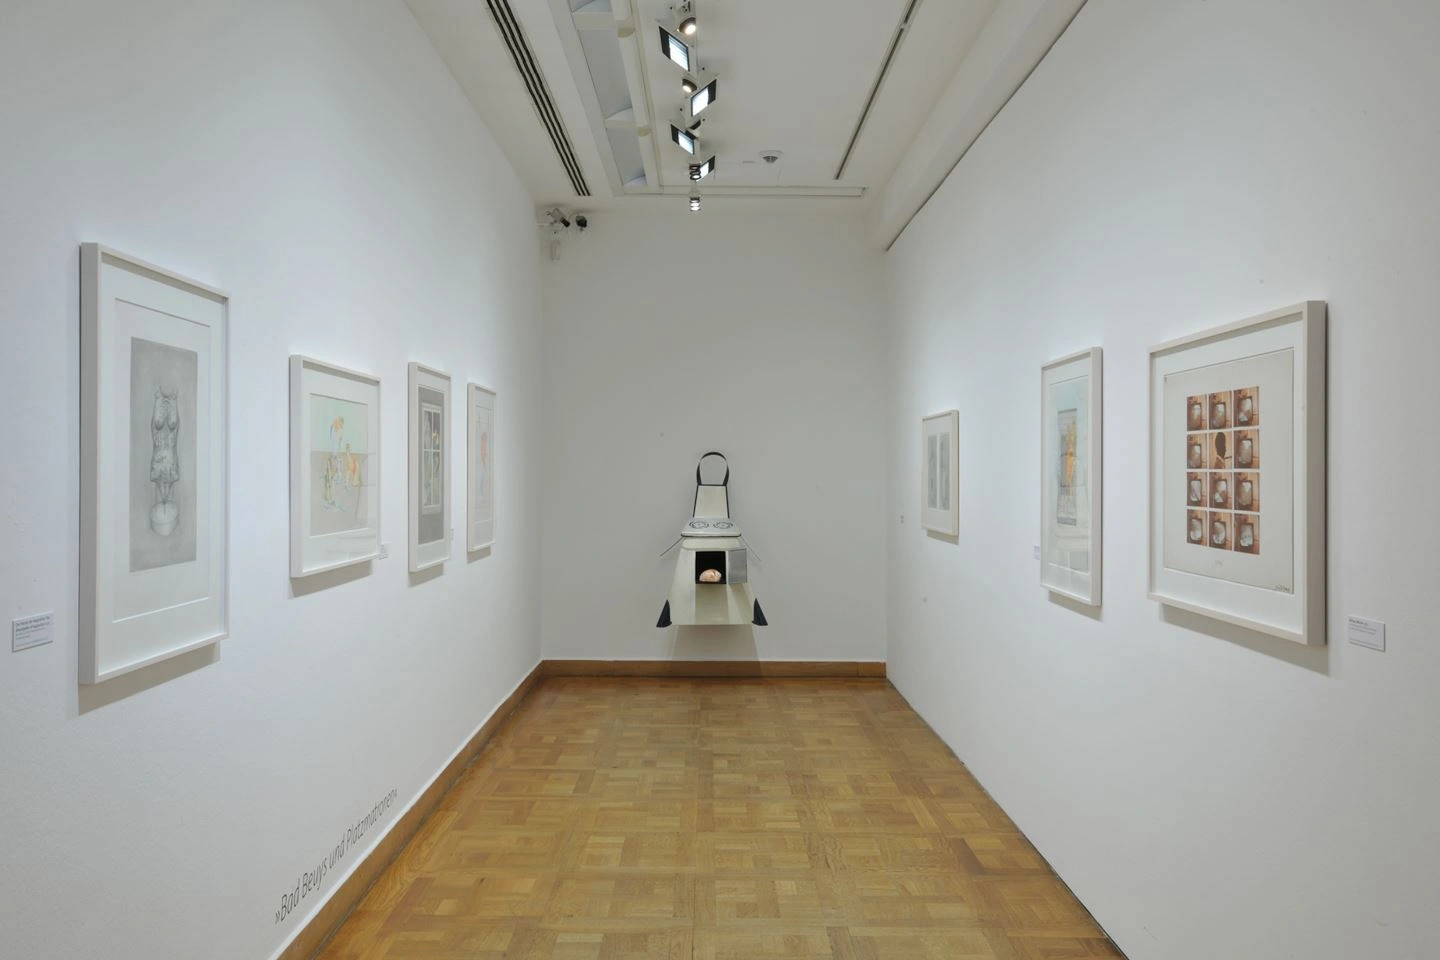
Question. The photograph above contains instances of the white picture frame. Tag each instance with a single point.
(430, 474)
(1237, 473)
(939, 473)
(154, 446)
(480, 472)
(1071, 476)
(334, 467)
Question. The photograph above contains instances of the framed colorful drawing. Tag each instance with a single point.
(153, 439)
(1070, 476)
(1237, 473)
(429, 467)
(334, 467)
(939, 469)
(480, 488)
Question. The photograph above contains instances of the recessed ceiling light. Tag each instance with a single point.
(703, 97)
(683, 138)
(687, 26)
(688, 86)
(675, 49)
(699, 171)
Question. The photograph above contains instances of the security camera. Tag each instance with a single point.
(558, 218)
(771, 156)
(582, 221)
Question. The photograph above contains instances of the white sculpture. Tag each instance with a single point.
(712, 582)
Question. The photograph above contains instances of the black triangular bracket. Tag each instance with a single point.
(664, 620)
(759, 619)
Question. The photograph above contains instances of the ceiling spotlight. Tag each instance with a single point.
(688, 86)
(703, 97)
(677, 50)
(683, 138)
(699, 171)
(695, 200)
(687, 26)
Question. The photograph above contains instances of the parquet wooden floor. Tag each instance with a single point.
(636, 819)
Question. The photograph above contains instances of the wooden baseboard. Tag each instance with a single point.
(827, 669)
(315, 934)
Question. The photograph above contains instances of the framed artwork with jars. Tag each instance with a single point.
(1237, 473)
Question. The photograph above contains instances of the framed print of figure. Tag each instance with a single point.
(939, 470)
(1237, 473)
(480, 486)
(334, 467)
(1070, 476)
(153, 437)
(429, 467)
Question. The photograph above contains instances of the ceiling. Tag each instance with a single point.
(794, 76)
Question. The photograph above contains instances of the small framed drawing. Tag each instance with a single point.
(334, 467)
(429, 467)
(1071, 459)
(153, 441)
(1237, 473)
(480, 488)
(939, 469)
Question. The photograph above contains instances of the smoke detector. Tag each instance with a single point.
(771, 156)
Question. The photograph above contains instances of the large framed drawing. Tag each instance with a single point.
(480, 486)
(334, 467)
(1237, 473)
(429, 467)
(939, 469)
(153, 441)
(1071, 459)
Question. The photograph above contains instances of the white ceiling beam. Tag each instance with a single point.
(639, 102)
(1015, 39)
(595, 15)
(621, 119)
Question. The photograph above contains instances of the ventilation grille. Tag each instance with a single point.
(895, 41)
(524, 59)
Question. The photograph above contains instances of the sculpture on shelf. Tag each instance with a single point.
(712, 583)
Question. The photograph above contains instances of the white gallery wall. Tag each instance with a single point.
(1171, 167)
(755, 332)
(317, 161)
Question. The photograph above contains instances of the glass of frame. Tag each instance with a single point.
(1237, 473)
(154, 438)
(480, 486)
(939, 469)
(1070, 476)
(334, 467)
(429, 411)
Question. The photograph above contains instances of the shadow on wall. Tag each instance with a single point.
(316, 582)
(1316, 659)
(127, 685)
(715, 643)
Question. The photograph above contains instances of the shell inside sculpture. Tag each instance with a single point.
(710, 576)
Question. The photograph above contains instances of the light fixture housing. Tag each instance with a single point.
(677, 51)
(687, 26)
(695, 200)
(688, 85)
(699, 171)
(703, 97)
(684, 139)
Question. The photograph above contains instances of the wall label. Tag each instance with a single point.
(1364, 632)
(311, 879)
(35, 631)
